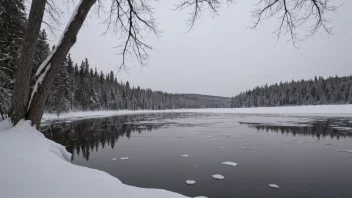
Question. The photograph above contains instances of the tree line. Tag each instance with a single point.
(317, 91)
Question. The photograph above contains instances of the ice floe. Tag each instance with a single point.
(190, 182)
(274, 186)
(218, 177)
(347, 151)
(246, 148)
(229, 163)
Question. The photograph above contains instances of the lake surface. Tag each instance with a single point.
(305, 156)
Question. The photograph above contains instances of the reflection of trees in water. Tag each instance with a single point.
(319, 130)
(85, 136)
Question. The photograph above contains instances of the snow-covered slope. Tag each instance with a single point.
(32, 166)
(317, 110)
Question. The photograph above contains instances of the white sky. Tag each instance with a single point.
(221, 55)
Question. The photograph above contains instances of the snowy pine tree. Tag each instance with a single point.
(333, 90)
(12, 26)
(59, 100)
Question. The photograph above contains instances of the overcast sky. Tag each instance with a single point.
(220, 56)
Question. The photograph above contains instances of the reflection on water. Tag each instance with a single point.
(85, 136)
(283, 154)
(318, 129)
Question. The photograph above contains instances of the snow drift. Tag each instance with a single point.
(33, 166)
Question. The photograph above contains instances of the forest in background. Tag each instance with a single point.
(79, 86)
(317, 91)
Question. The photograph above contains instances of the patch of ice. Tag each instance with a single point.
(314, 110)
(229, 163)
(190, 182)
(346, 151)
(221, 147)
(274, 186)
(333, 125)
(209, 136)
(343, 128)
(218, 177)
(246, 148)
(114, 159)
(185, 155)
(240, 136)
(124, 158)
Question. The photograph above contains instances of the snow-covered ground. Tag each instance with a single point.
(32, 166)
(317, 110)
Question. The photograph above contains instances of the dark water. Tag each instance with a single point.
(298, 154)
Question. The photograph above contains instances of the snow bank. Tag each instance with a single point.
(32, 166)
(5, 124)
(317, 110)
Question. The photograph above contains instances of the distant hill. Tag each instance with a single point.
(333, 90)
(206, 101)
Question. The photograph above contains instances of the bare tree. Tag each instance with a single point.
(132, 20)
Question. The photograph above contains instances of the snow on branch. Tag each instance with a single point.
(37, 83)
(46, 62)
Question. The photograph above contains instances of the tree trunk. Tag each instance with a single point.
(48, 73)
(21, 91)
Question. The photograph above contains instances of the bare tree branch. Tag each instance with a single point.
(197, 7)
(132, 20)
(295, 14)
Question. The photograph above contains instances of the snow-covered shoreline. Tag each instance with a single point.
(35, 167)
(316, 110)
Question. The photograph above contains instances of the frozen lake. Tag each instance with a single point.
(304, 156)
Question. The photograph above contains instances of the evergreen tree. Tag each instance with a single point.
(70, 68)
(12, 26)
(42, 50)
(333, 90)
(59, 101)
